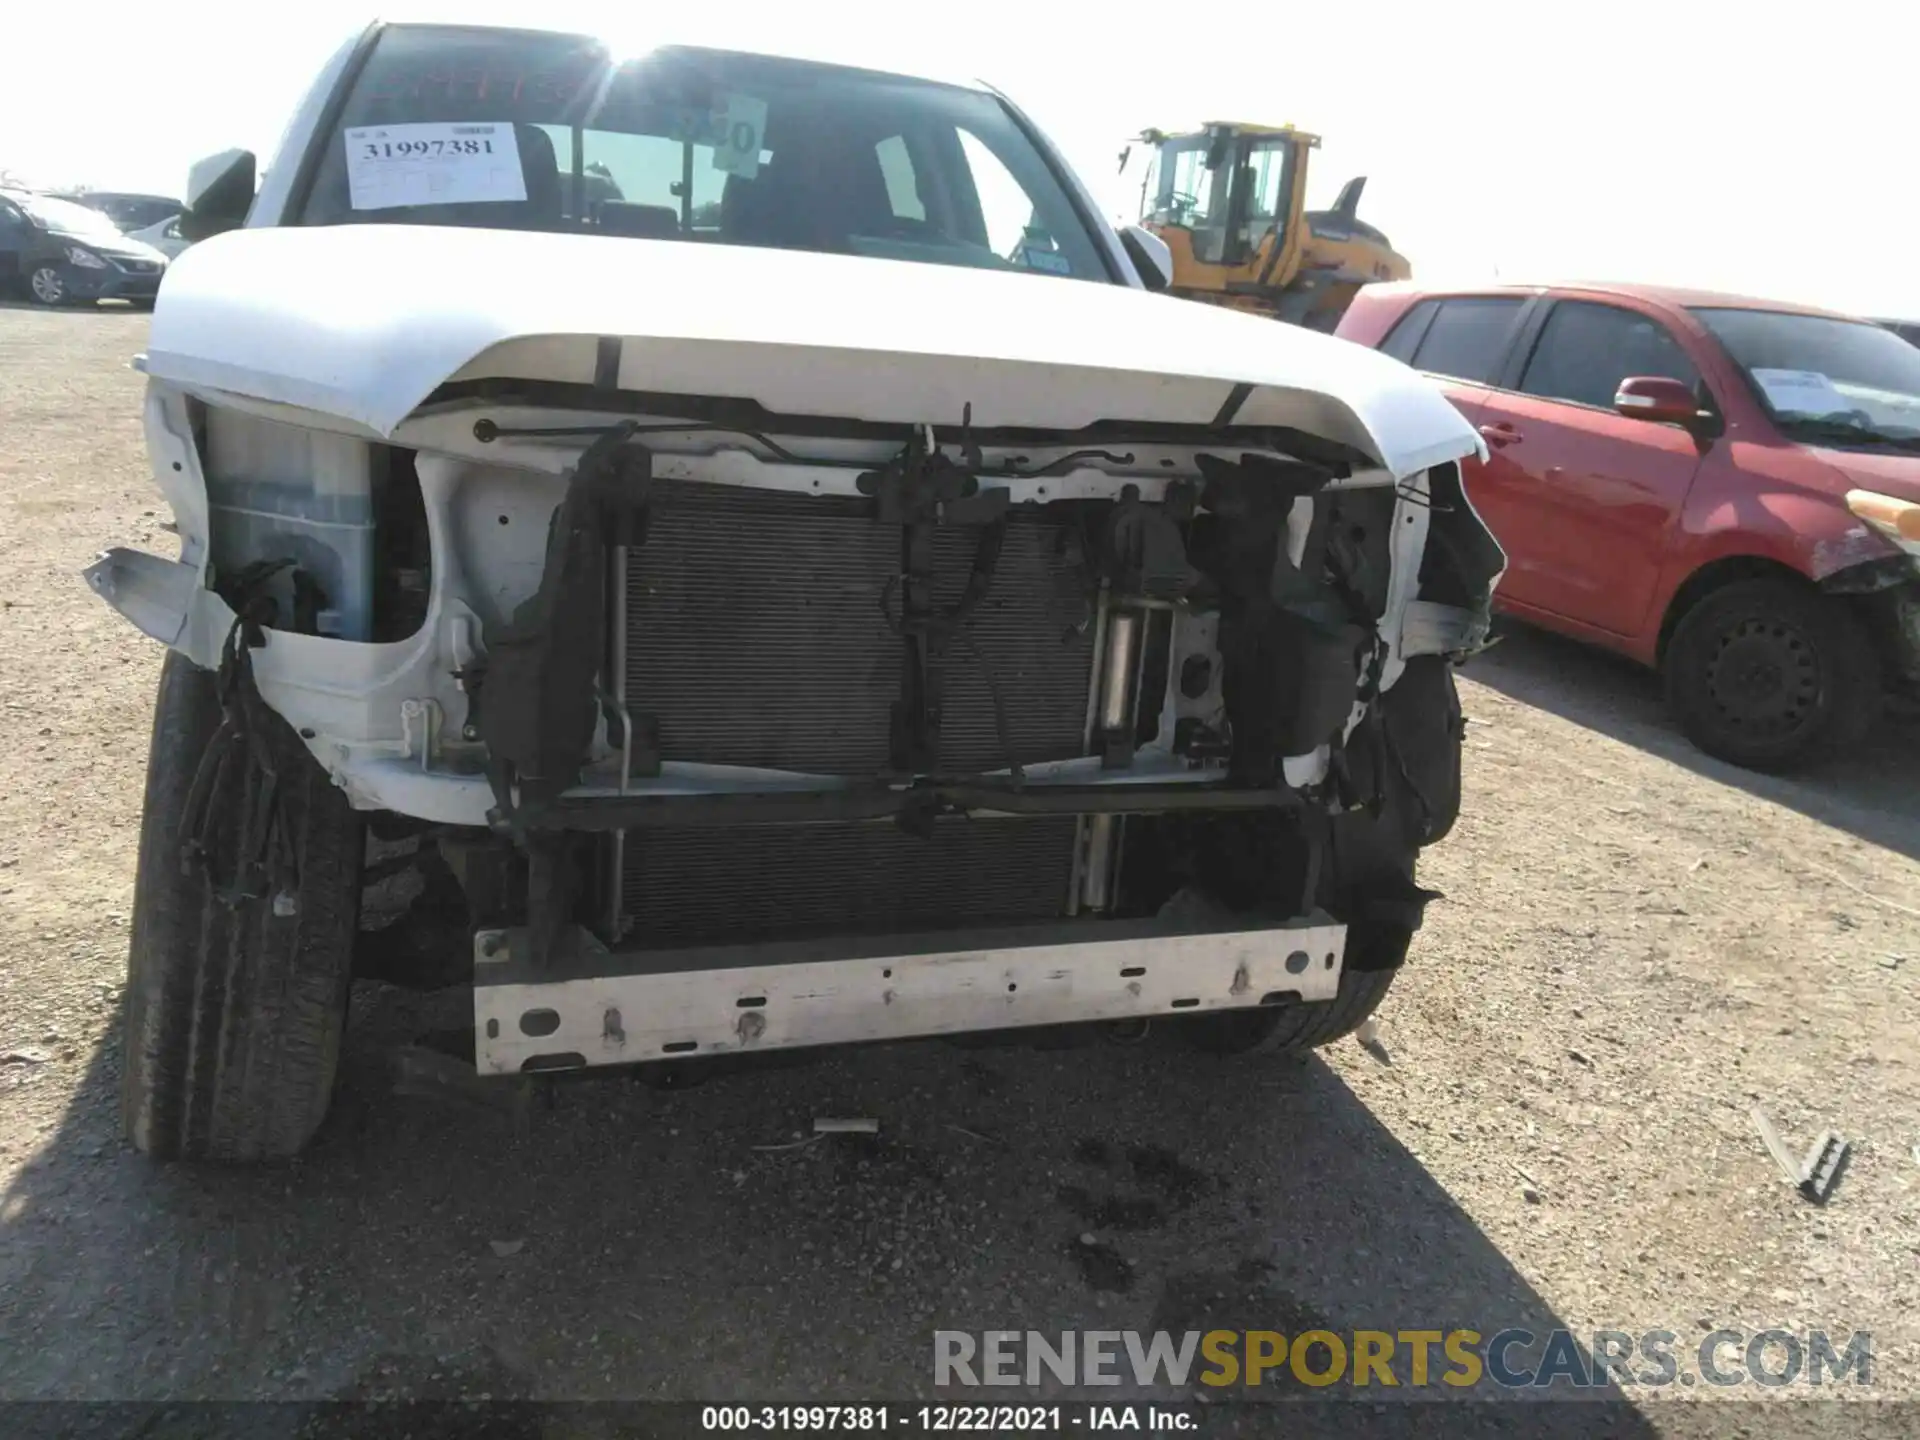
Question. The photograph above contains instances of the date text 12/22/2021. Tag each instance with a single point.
(948, 1419)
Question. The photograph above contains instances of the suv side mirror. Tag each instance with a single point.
(219, 194)
(1659, 399)
(1150, 256)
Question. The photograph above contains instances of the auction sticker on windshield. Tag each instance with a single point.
(389, 166)
(1800, 392)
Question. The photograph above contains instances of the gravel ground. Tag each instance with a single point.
(1637, 946)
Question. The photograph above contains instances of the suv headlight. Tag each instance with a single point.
(85, 259)
(1898, 520)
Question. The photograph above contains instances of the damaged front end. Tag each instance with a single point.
(740, 729)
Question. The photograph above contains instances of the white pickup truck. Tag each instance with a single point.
(747, 533)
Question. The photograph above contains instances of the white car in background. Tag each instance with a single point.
(164, 237)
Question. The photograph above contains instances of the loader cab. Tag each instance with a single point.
(1228, 188)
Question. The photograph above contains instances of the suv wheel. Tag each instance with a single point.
(235, 1010)
(1767, 673)
(47, 286)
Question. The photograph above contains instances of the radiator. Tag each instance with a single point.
(755, 636)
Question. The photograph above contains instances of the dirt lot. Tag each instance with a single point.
(1637, 946)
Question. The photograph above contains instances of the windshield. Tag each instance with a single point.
(63, 217)
(522, 131)
(1825, 379)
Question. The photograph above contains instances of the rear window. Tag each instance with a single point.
(1468, 338)
(523, 131)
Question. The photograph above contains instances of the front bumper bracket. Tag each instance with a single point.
(588, 1006)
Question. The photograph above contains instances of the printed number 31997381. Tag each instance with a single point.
(391, 166)
(421, 149)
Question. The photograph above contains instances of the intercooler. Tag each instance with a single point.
(756, 634)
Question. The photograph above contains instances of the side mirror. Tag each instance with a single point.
(1659, 399)
(1150, 256)
(219, 194)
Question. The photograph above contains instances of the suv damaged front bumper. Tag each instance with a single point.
(502, 721)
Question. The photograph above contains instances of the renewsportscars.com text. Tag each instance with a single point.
(1509, 1359)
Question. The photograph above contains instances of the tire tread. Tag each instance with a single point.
(234, 1016)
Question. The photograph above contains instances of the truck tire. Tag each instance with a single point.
(1767, 674)
(1293, 1029)
(234, 1014)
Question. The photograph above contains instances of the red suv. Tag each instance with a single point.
(1727, 489)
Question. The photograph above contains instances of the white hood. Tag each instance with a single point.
(364, 322)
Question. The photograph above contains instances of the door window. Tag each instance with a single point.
(1586, 350)
(1468, 338)
(1269, 168)
(1411, 330)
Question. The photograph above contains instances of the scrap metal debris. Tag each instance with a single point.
(1776, 1147)
(824, 1126)
(789, 1144)
(1822, 1169)
(1814, 1176)
(864, 1126)
(1369, 1037)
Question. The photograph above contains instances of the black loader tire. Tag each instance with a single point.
(1293, 1029)
(234, 1015)
(1818, 677)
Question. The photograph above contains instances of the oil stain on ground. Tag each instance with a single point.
(1101, 1266)
(1113, 1212)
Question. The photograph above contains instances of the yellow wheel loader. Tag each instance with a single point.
(1229, 200)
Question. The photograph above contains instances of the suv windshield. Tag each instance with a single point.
(1834, 381)
(522, 131)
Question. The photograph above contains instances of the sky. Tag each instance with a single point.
(1770, 150)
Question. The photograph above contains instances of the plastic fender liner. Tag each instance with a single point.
(1424, 729)
(1405, 757)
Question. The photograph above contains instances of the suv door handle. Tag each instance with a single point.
(1498, 434)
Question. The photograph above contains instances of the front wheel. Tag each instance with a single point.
(1766, 674)
(47, 286)
(235, 1007)
(1293, 1029)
